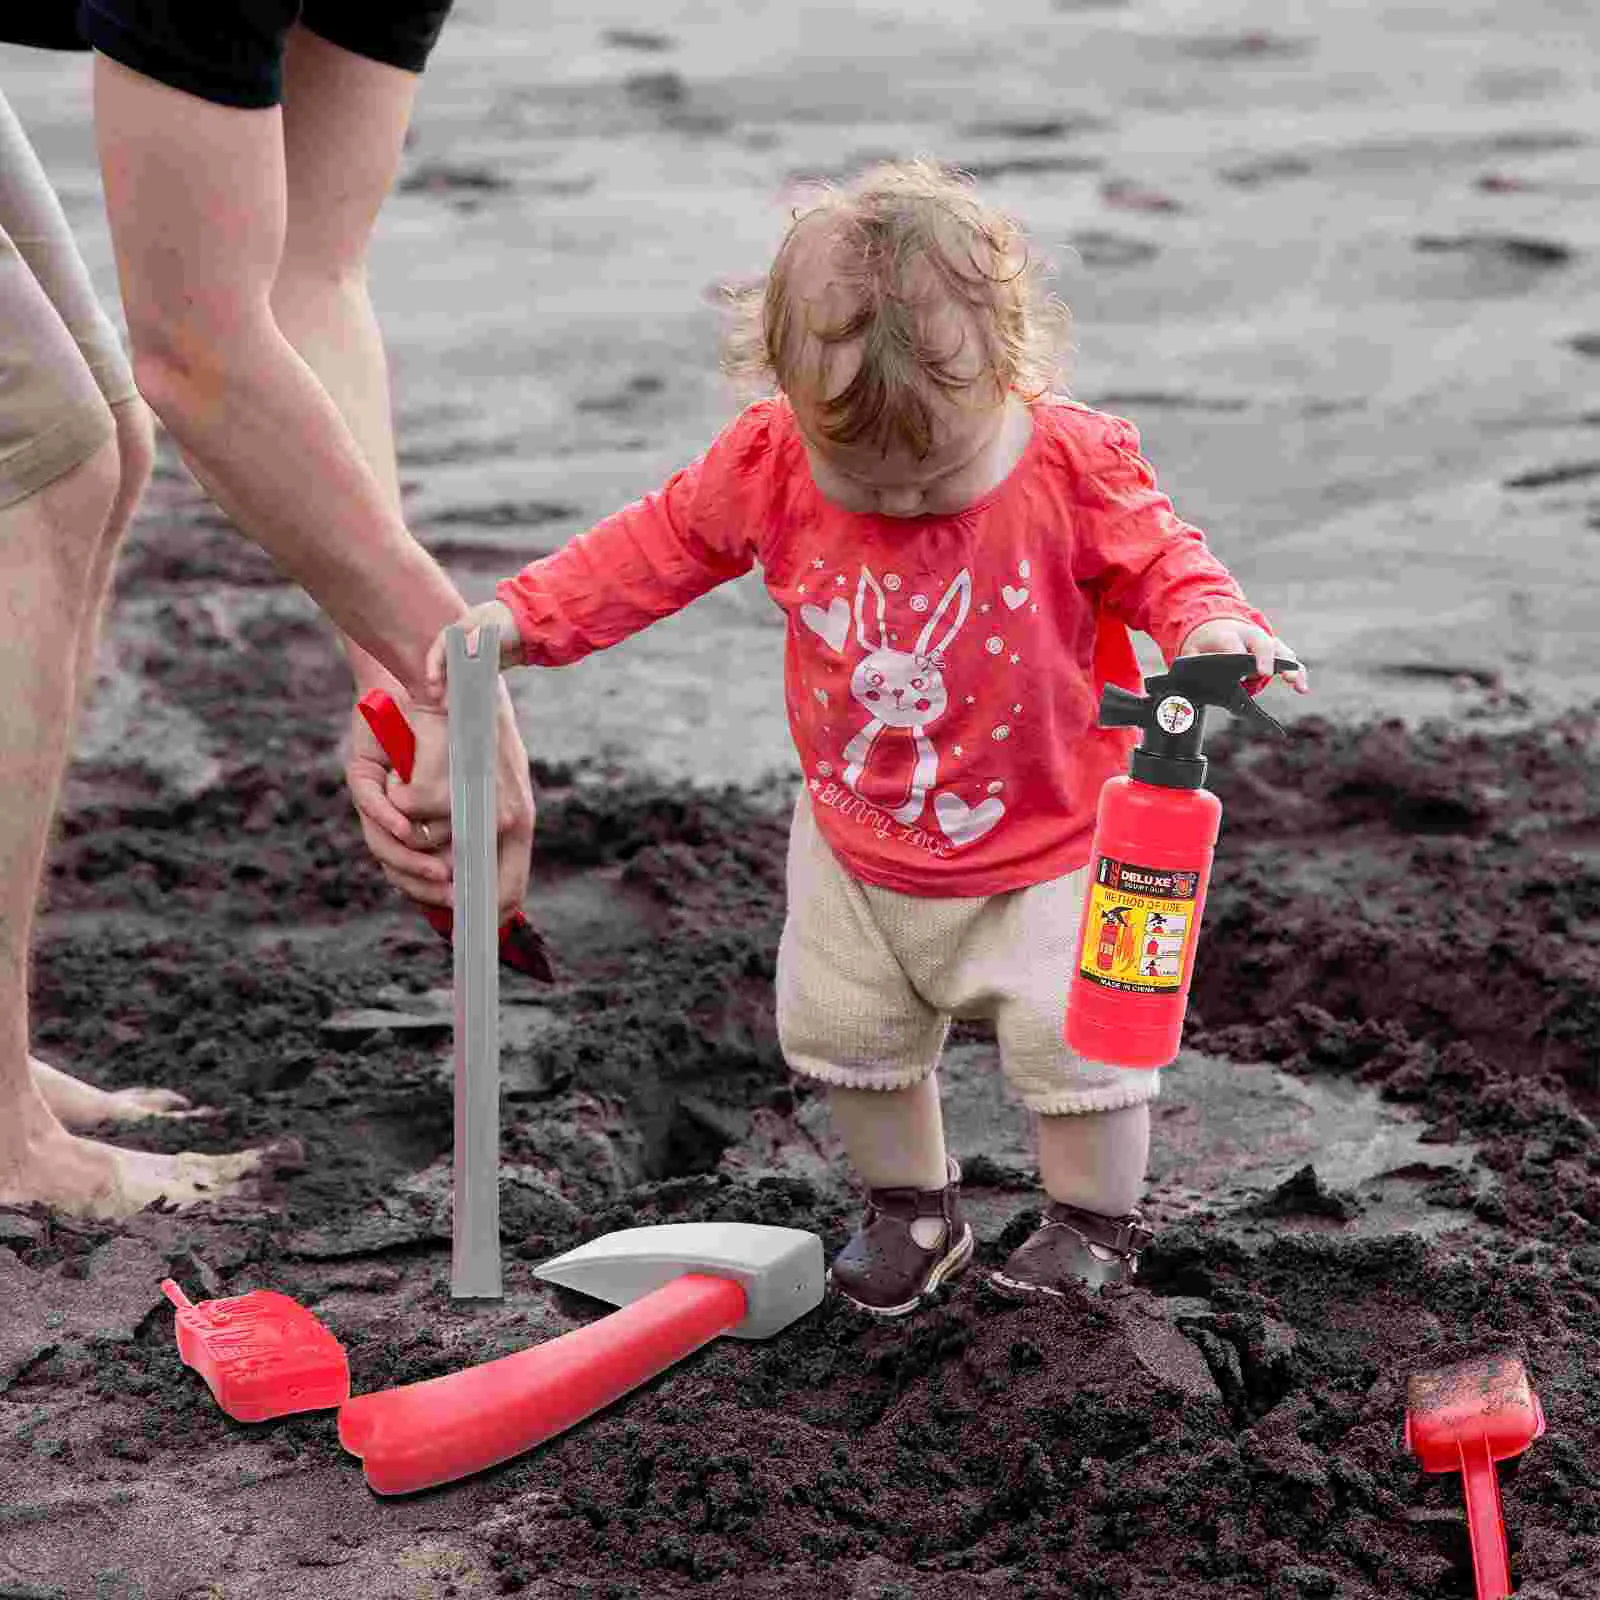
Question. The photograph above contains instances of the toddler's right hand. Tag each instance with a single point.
(495, 613)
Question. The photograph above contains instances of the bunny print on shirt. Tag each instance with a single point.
(903, 692)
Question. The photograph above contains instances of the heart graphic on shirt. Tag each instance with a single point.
(962, 823)
(833, 625)
(1013, 597)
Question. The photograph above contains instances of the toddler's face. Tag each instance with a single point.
(963, 465)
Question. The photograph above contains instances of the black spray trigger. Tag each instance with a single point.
(1171, 714)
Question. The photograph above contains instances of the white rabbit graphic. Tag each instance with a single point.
(902, 689)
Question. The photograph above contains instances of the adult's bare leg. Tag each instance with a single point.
(344, 125)
(76, 1103)
(58, 349)
(47, 546)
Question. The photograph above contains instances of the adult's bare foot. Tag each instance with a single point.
(80, 1105)
(83, 1177)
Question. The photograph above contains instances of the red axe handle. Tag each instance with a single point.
(447, 1428)
(521, 944)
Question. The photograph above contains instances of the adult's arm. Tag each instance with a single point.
(197, 196)
(195, 193)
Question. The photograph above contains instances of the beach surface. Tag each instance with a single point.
(1341, 267)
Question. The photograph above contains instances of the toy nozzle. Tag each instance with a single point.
(176, 1295)
(1122, 708)
(1171, 713)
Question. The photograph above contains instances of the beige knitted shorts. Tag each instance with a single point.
(61, 363)
(870, 979)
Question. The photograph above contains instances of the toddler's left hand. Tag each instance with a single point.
(1230, 636)
(494, 612)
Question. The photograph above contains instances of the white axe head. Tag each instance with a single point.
(779, 1269)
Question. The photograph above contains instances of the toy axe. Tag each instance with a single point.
(680, 1286)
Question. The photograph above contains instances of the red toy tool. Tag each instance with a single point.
(522, 946)
(1464, 1418)
(680, 1286)
(1150, 862)
(262, 1354)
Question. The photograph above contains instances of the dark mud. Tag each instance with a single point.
(1420, 912)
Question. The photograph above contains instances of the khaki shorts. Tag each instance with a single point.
(869, 981)
(61, 363)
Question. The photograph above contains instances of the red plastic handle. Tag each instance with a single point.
(521, 944)
(447, 1428)
(1491, 1561)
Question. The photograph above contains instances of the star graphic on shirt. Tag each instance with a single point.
(816, 783)
(1017, 706)
(840, 580)
(1034, 609)
(817, 562)
(1015, 658)
(972, 699)
(957, 750)
(802, 588)
(985, 606)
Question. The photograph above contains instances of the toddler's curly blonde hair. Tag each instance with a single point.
(902, 243)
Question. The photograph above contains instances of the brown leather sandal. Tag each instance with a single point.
(1074, 1249)
(883, 1269)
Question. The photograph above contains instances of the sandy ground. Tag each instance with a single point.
(1341, 270)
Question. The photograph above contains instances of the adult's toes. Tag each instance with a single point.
(282, 1155)
(164, 1103)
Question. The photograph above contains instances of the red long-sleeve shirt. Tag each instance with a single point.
(942, 674)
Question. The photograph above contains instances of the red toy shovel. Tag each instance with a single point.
(1464, 1418)
(522, 946)
(680, 1286)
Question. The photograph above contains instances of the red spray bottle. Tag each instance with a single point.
(1155, 834)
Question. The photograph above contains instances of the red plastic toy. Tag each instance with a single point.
(262, 1354)
(522, 946)
(1464, 1418)
(1150, 862)
(441, 1429)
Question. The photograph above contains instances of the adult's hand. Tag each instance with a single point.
(407, 847)
(407, 825)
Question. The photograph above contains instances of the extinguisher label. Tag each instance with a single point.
(1139, 930)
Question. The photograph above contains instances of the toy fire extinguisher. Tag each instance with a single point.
(1155, 834)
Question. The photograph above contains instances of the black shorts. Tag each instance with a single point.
(231, 51)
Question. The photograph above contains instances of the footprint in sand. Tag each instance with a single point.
(1266, 169)
(503, 514)
(1252, 44)
(1099, 248)
(436, 177)
(1549, 477)
(1520, 249)
(1024, 166)
(1131, 196)
(638, 39)
(1168, 400)
(1036, 127)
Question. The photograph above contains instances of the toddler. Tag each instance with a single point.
(959, 553)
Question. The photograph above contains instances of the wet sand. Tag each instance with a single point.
(1341, 270)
